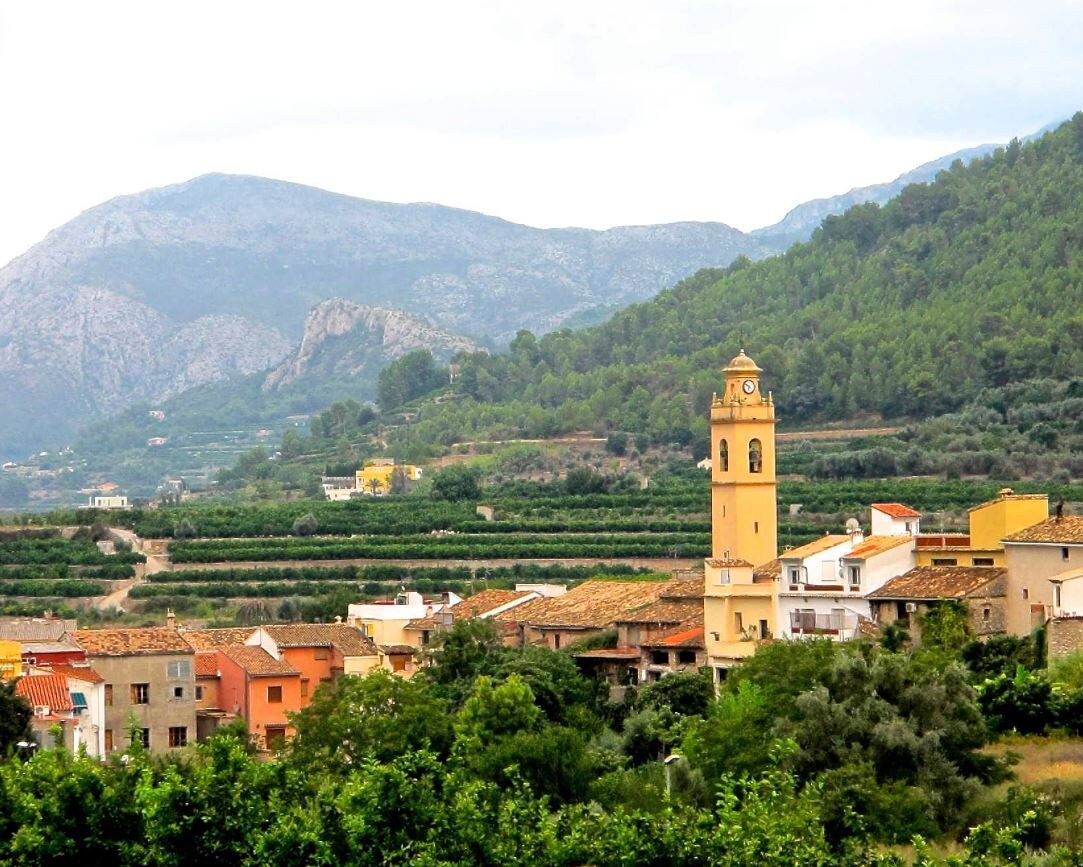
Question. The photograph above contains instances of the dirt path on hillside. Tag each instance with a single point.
(118, 597)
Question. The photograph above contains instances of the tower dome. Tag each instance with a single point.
(741, 363)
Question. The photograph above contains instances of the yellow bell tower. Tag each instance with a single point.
(744, 505)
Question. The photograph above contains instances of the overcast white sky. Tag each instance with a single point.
(555, 113)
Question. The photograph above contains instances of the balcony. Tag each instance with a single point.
(809, 623)
(817, 587)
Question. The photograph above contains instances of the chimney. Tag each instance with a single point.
(170, 619)
(1060, 511)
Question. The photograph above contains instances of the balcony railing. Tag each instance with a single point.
(807, 623)
(817, 587)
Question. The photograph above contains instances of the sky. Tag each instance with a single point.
(552, 114)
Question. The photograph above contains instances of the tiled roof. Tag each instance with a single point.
(683, 588)
(485, 601)
(688, 634)
(874, 545)
(769, 571)
(896, 510)
(397, 649)
(349, 640)
(257, 662)
(48, 690)
(40, 648)
(663, 611)
(610, 653)
(76, 672)
(35, 630)
(938, 582)
(130, 642)
(816, 546)
(723, 563)
(593, 604)
(1067, 530)
(1070, 575)
(207, 663)
(212, 639)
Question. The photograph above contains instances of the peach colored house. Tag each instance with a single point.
(260, 689)
(319, 652)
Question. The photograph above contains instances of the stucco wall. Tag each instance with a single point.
(1030, 566)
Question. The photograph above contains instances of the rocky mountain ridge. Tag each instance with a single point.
(342, 338)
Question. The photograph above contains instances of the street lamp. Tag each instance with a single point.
(669, 761)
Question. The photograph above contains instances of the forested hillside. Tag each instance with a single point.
(910, 310)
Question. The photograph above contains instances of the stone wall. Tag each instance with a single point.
(1064, 634)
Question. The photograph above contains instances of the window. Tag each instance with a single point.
(686, 657)
(738, 623)
(179, 668)
(855, 576)
(659, 657)
(985, 615)
(178, 736)
(983, 561)
(1056, 596)
(276, 737)
(1063, 553)
(274, 695)
(144, 738)
(556, 641)
(908, 526)
(140, 693)
(109, 740)
(755, 456)
(178, 693)
(755, 526)
(199, 693)
(723, 456)
(764, 631)
(944, 561)
(795, 577)
(321, 653)
(1026, 593)
(304, 687)
(424, 637)
(109, 695)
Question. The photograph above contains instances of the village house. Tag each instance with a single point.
(485, 605)
(1049, 549)
(260, 689)
(81, 714)
(385, 622)
(982, 589)
(149, 685)
(989, 524)
(589, 610)
(43, 640)
(320, 652)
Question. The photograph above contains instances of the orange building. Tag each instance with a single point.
(261, 689)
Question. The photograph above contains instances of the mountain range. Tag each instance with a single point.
(148, 295)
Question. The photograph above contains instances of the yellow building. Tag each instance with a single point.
(379, 476)
(11, 659)
(739, 600)
(989, 524)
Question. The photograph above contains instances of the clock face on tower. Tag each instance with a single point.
(748, 386)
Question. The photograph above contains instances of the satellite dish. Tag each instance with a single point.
(852, 525)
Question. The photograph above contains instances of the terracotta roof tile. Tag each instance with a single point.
(45, 690)
(1067, 531)
(938, 582)
(77, 672)
(485, 601)
(610, 653)
(874, 545)
(130, 642)
(688, 634)
(35, 630)
(212, 639)
(349, 640)
(663, 611)
(769, 571)
(816, 546)
(397, 649)
(723, 562)
(593, 604)
(257, 662)
(683, 588)
(206, 663)
(896, 510)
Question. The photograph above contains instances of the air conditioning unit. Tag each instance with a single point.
(911, 607)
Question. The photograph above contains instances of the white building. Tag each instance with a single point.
(823, 584)
(102, 501)
(384, 622)
(895, 519)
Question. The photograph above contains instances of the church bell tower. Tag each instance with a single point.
(744, 505)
